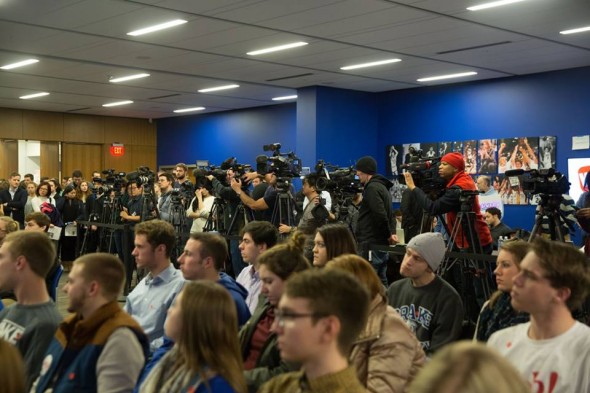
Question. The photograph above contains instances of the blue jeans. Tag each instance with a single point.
(378, 260)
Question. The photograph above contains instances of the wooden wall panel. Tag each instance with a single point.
(86, 157)
(144, 156)
(83, 128)
(118, 129)
(119, 164)
(43, 126)
(8, 157)
(144, 133)
(49, 160)
(11, 123)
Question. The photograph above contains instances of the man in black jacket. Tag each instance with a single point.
(376, 225)
(13, 200)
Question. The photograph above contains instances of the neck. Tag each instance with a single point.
(550, 324)
(32, 292)
(423, 280)
(91, 305)
(330, 362)
(212, 275)
(159, 268)
(312, 195)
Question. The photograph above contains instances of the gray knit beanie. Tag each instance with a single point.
(431, 247)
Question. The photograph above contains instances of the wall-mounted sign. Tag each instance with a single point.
(117, 150)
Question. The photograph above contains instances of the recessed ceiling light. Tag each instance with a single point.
(284, 98)
(197, 108)
(34, 95)
(117, 103)
(449, 76)
(128, 78)
(277, 48)
(577, 30)
(19, 64)
(371, 64)
(160, 26)
(210, 89)
(492, 4)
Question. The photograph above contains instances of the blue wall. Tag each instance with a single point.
(217, 136)
(554, 103)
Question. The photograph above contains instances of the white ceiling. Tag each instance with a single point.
(81, 43)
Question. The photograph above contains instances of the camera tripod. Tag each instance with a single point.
(283, 209)
(177, 218)
(549, 207)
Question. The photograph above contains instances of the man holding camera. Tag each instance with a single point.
(376, 224)
(131, 214)
(452, 170)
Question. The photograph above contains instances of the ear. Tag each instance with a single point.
(563, 294)
(332, 327)
(161, 248)
(208, 263)
(262, 247)
(93, 288)
(20, 262)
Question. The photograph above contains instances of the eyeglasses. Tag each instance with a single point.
(282, 317)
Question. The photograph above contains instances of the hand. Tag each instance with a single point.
(210, 177)
(316, 200)
(409, 180)
(393, 239)
(199, 193)
(585, 212)
(250, 176)
(236, 184)
(284, 228)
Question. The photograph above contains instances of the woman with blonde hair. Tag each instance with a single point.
(260, 351)
(206, 358)
(386, 355)
(468, 367)
(497, 313)
(12, 369)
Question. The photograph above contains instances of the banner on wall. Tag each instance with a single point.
(577, 168)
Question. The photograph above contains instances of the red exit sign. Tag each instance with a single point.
(117, 150)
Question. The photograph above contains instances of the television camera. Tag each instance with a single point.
(424, 171)
(284, 166)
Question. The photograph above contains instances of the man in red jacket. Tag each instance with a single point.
(452, 170)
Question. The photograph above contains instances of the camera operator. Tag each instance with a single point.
(452, 170)
(376, 224)
(225, 192)
(187, 190)
(310, 220)
(131, 213)
(258, 190)
(165, 181)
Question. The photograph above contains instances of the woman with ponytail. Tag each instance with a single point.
(261, 356)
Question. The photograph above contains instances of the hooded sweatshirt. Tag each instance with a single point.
(375, 223)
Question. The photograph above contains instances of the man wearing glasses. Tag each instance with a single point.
(552, 351)
(320, 314)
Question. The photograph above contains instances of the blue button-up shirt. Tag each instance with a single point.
(250, 279)
(149, 301)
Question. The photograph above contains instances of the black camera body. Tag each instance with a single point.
(284, 166)
(545, 181)
(113, 181)
(424, 171)
(143, 176)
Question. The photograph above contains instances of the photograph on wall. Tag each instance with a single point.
(396, 190)
(457, 146)
(394, 159)
(497, 181)
(444, 148)
(411, 150)
(486, 152)
(511, 191)
(577, 169)
(547, 145)
(470, 156)
(518, 153)
(429, 150)
(489, 198)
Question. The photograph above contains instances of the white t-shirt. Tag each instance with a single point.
(559, 364)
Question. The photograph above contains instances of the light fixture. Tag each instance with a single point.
(371, 64)
(35, 95)
(157, 27)
(197, 108)
(449, 76)
(210, 89)
(492, 4)
(117, 103)
(284, 98)
(19, 64)
(128, 78)
(277, 48)
(577, 30)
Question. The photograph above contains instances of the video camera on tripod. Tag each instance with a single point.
(143, 177)
(542, 181)
(284, 166)
(341, 183)
(425, 173)
(113, 181)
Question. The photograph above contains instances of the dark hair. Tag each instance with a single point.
(212, 245)
(286, 258)
(46, 184)
(182, 165)
(77, 173)
(494, 211)
(311, 180)
(333, 292)
(565, 267)
(158, 232)
(13, 174)
(168, 176)
(262, 232)
(30, 176)
(338, 240)
(41, 219)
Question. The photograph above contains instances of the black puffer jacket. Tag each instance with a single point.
(375, 222)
